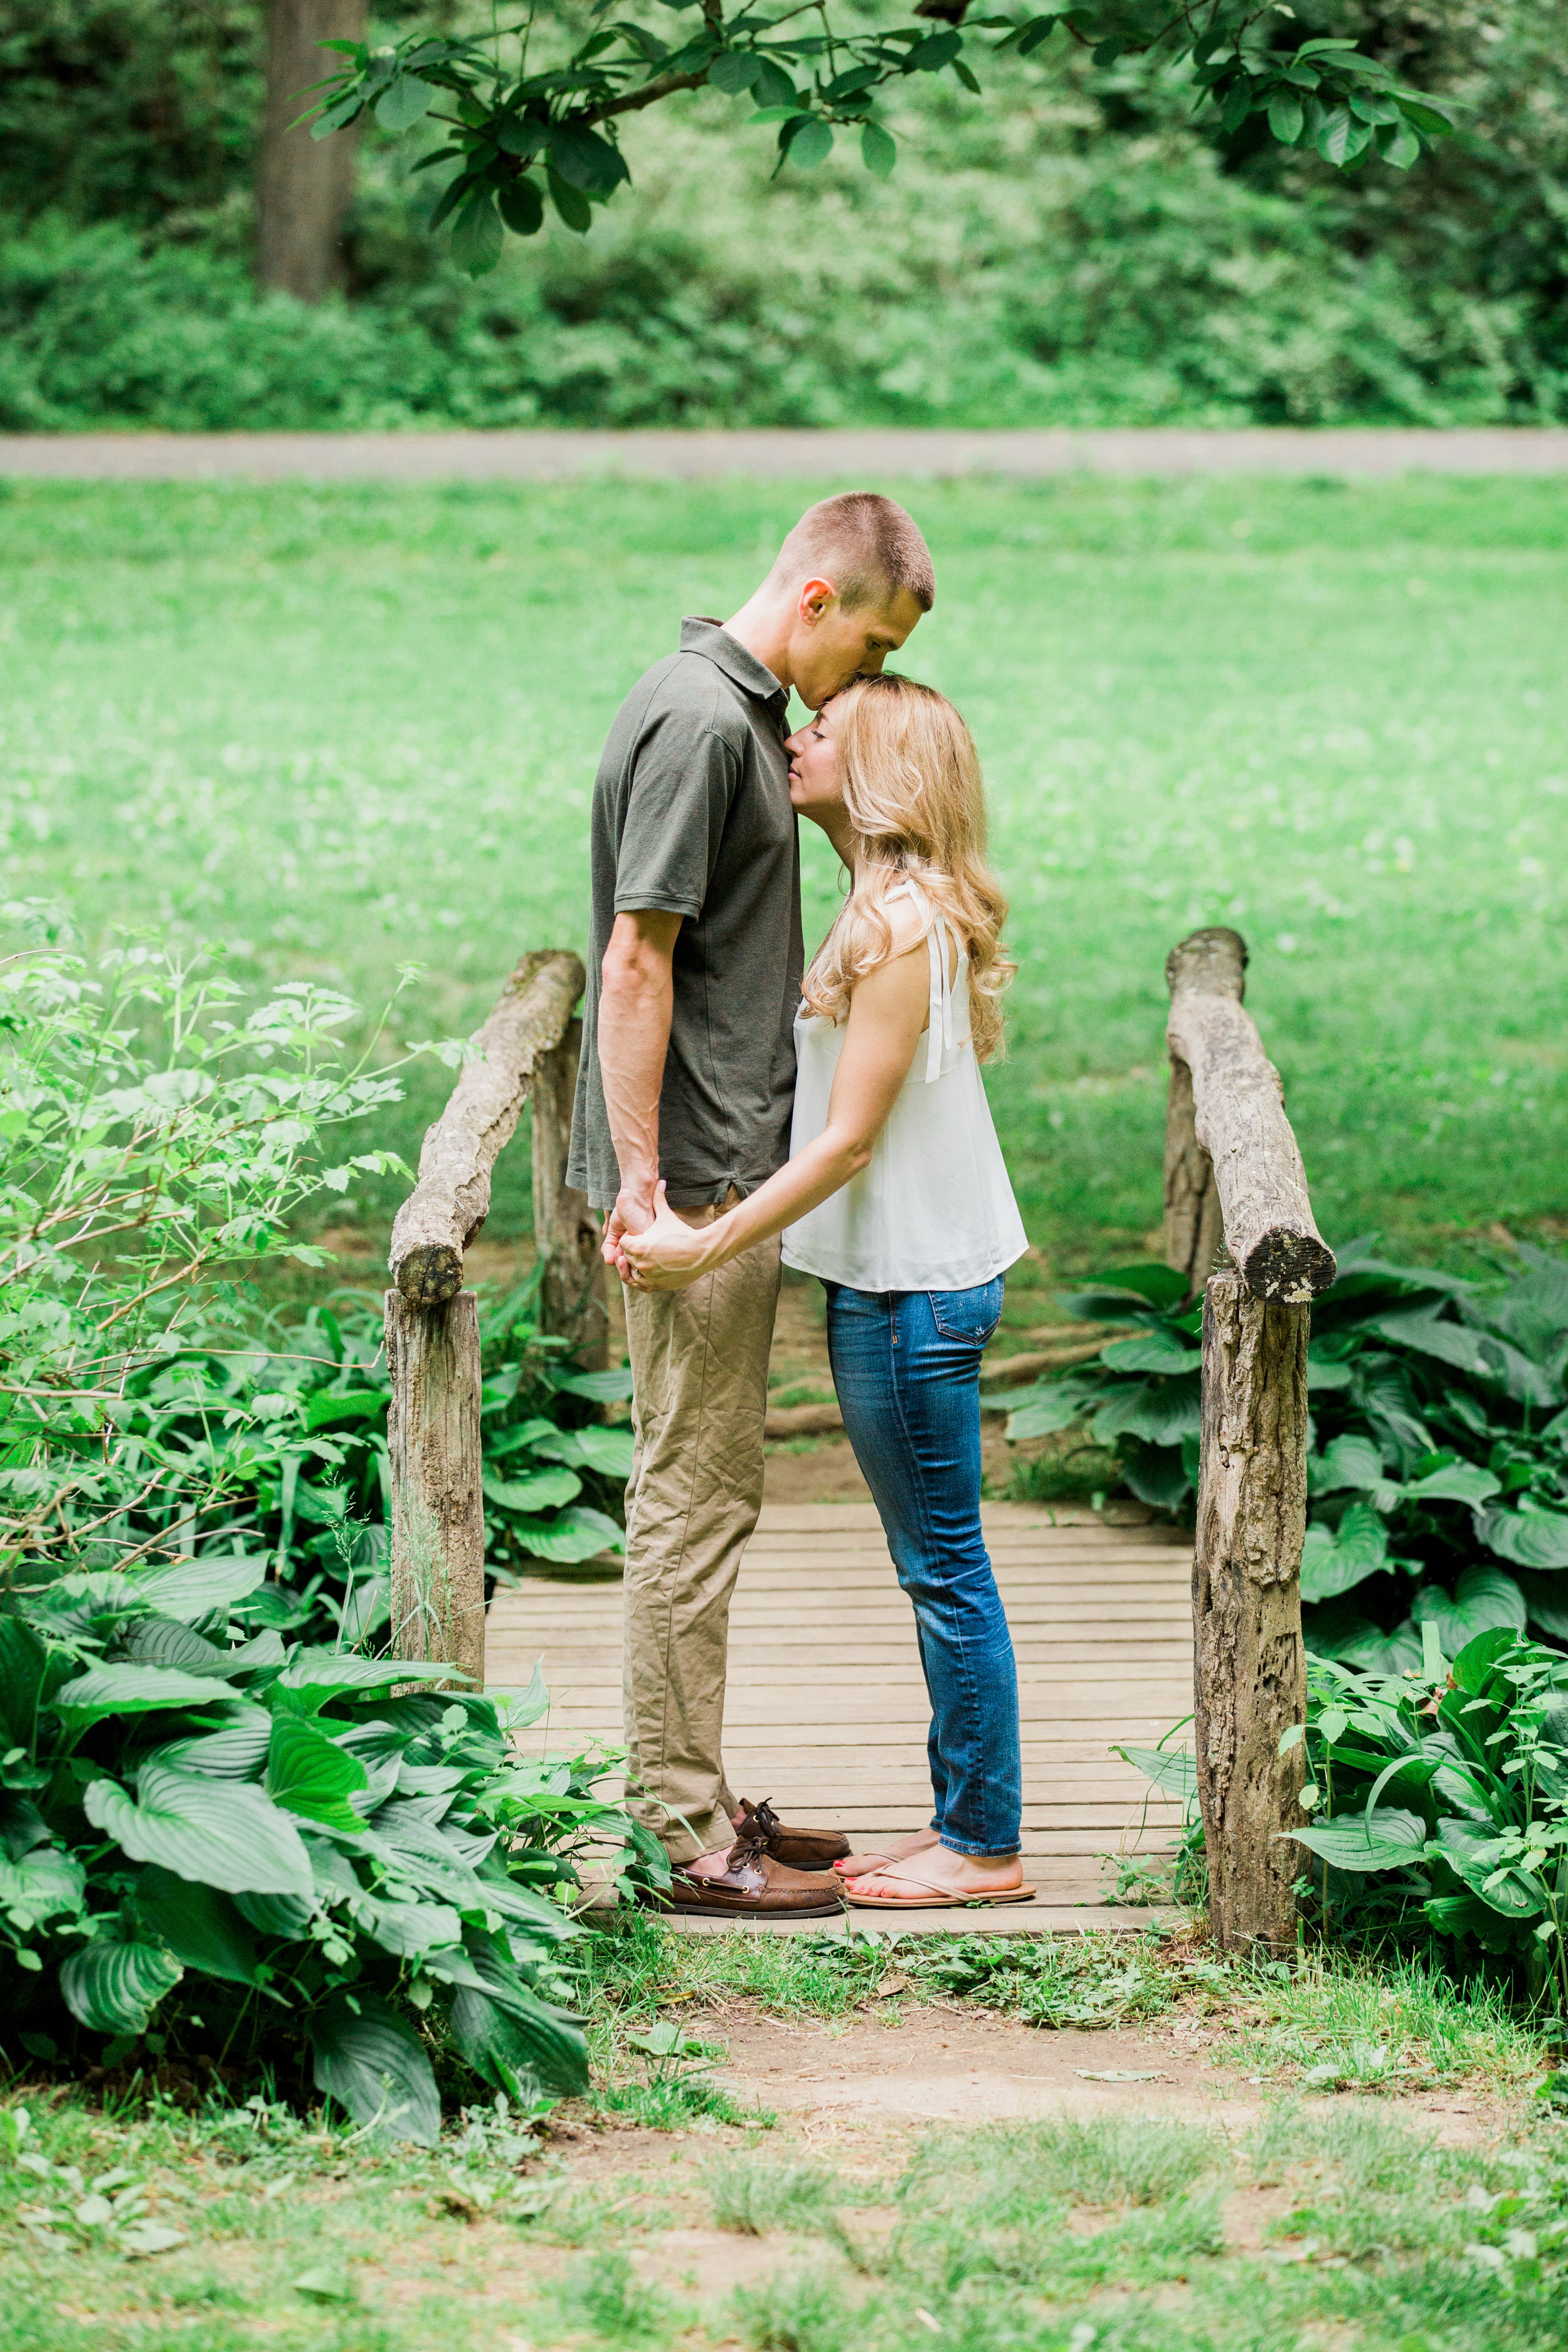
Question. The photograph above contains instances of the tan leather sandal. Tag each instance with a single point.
(924, 1897)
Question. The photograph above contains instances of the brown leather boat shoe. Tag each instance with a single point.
(755, 1886)
(798, 1849)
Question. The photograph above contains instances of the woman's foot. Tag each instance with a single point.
(859, 1866)
(939, 1871)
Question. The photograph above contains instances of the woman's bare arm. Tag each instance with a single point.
(886, 1013)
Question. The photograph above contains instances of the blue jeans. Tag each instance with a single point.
(906, 1364)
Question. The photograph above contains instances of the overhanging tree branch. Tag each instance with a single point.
(518, 138)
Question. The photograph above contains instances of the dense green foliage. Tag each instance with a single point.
(317, 1861)
(1438, 1443)
(1436, 1797)
(342, 727)
(1082, 252)
(154, 1145)
(320, 1854)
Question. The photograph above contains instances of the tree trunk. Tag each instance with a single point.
(565, 1229)
(438, 1514)
(1249, 1672)
(302, 184)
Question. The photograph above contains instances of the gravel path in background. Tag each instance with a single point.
(772, 456)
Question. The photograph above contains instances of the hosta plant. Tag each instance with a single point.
(1438, 1463)
(297, 1854)
(1438, 1803)
(1443, 1790)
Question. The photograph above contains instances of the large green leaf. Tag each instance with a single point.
(308, 1773)
(1484, 1598)
(599, 1388)
(138, 1690)
(164, 1641)
(1351, 1460)
(539, 1490)
(1162, 1412)
(1150, 1282)
(114, 1988)
(608, 1451)
(201, 1927)
(408, 1930)
(193, 1588)
(318, 1674)
(1460, 1482)
(238, 1752)
(576, 1533)
(1532, 1539)
(1335, 1560)
(23, 1664)
(1156, 1350)
(219, 1833)
(374, 2064)
(545, 2043)
(1049, 1406)
(1173, 1770)
(41, 1885)
(1475, 1855)
(1479, 1353)
(1391, 1840)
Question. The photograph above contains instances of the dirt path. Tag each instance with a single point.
(546, 456)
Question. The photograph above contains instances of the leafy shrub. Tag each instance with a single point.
(323, 1848)
(340, 1871)
(1447, 1792)
(1443, 1792)
(153, 1146)
(1439, 1442)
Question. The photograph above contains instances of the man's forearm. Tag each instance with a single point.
(636, 1003)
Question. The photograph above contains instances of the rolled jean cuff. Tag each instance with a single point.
(980, 1853)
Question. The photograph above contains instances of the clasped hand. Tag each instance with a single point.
(666, 1254)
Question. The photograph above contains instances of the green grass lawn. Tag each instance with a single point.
(345, 730)
(1309, 2205)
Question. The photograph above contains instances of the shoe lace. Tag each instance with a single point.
(765, 1822)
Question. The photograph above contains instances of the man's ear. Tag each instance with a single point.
(816, 596)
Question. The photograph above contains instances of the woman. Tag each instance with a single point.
(895, 1195)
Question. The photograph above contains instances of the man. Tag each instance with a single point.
(687, 1071)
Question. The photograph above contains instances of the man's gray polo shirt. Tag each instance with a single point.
(692, 815)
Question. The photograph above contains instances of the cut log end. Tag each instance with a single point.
(430, 1274)
(1210, 962)
(1289, 1266)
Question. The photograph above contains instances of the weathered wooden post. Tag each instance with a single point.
(433, 1330)
(1232, 1167)
(565, 1229)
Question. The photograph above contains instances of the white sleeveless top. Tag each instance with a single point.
(933, 1210)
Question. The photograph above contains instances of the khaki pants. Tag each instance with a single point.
(699, 1361)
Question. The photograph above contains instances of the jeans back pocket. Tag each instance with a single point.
(970, 1315)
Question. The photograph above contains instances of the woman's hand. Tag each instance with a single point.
(670, 1253)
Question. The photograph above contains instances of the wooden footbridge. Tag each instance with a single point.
(826, 1711)
(1121, 1631)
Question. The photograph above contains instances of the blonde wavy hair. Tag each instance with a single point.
(913, 788)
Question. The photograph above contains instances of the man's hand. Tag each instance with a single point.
(633, 1213)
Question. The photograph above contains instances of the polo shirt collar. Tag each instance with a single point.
(709, 638)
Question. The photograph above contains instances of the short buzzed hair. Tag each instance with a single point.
(867, 545)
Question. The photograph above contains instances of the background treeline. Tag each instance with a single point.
(1079, 255)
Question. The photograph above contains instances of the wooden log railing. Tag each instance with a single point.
(528, 1047)
(1233, 1175)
